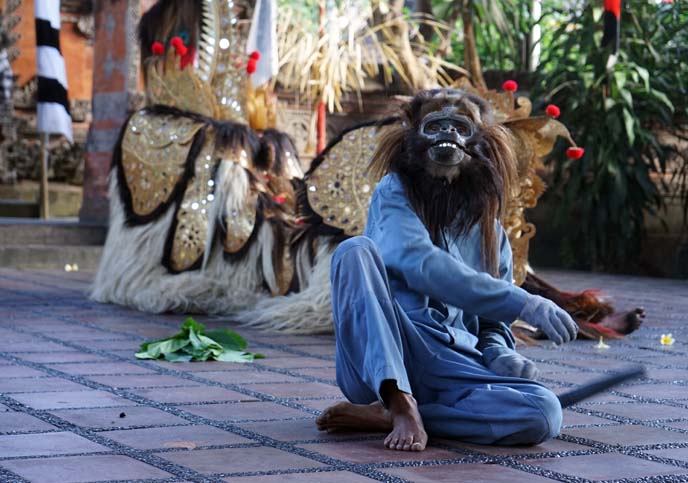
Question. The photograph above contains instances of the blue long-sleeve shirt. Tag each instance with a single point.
(448, 284)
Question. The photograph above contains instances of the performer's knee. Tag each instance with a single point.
(352, 252)
(545, 421)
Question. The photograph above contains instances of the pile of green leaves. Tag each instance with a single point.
(193, 343)
(616, 113)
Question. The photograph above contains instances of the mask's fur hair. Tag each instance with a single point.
(166, 19)
(477, 191)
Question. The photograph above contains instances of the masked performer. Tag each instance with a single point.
(422, 303)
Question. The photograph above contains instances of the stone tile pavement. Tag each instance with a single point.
(76, 406)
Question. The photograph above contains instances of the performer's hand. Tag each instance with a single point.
(513, 364)
(547, 316)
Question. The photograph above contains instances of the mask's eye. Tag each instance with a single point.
(464, 130)
(433, 127)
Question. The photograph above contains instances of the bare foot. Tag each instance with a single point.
(345, 416)
(408, 433)
(624, 322)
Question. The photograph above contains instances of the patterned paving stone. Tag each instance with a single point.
(302, 430)
(83, 469)
(551, 446)
(320, 404)
(21, 422)
(327, 373)
(208, 366)
(680, 454)
(662, 391)
(194, 394)
(145, 380)
(194, 426)
(572, 418)
(39, 384)
(476, 473)
(244, 412)
(239, 460)
(101, 368)
(62, 357)
(71, 399)
(315, 477)
(610, 466)
(188, 437)
(45, 444)
(628, 435)
(367, 452)
(645, 412)
(302, 390)
(12, 371)
(248, 377)
(297, 362)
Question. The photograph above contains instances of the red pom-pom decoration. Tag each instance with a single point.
(575, 153)
(279, 199)
(510, 86)
(553, 111)
(176, 42)
(188, 57)
(157, 48)
(255, 55)
(182, 50)
(251, 66)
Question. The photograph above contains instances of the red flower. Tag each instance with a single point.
(510, 86)
(157, 48)
(251, 66)
(575, 153)
(279, 199)
(553, 111)
(255, 55)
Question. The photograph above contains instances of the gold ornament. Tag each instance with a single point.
(339, 190)
(168, 85)
(239, 224)
(191, 231)
(154, 152)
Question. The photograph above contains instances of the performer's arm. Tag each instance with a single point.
(495, 338)
(407, 250)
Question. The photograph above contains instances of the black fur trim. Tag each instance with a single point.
(271, 155)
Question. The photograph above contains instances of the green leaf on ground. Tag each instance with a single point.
(192, 343)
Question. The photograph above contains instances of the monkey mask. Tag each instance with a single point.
(447, 134)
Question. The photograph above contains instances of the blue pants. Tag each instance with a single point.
(458, 397)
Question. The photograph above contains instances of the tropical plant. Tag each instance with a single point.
(617, 113)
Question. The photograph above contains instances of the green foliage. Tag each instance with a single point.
(194, 344)
(615, 114)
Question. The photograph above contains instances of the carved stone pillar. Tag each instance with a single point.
(115, 87)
